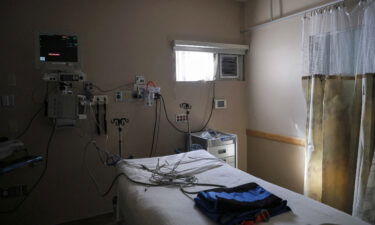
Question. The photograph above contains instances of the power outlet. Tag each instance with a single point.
(181, 118)
(99, 99)
(7, 100)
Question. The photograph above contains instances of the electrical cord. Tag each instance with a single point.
(158, 127)
(154, 131)
(88, 169)
(34, 91)
(155, 137)
(91, 175)
(157, 179)
(108, 156)
(167, 117)
(206, 123)
(110, 160)
(181, 185)
(108, 190)
(30, 122)
(99, 151)
(91, 137)
(182, 188)
(39, 178)
(173, 177)
(113, 89)
(212, 107)
(166, 174)
(112, 184)
(37, 112)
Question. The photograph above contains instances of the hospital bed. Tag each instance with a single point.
(168, 205)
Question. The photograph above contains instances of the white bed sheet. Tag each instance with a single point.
(140, 205)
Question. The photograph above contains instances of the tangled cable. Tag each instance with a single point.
(172, 177)
(167, 174)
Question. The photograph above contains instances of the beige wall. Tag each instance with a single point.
(275, 97)
(119, 39)
(281, 164)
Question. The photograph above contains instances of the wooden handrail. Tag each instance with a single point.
(276, 137)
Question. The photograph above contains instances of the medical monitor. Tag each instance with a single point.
(57, 51)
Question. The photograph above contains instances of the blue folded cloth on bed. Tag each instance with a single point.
(244, 204)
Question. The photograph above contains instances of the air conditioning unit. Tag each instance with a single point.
(230, 67)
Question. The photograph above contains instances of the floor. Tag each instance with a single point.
(105, 219)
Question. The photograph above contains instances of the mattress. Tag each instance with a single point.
(147, 205)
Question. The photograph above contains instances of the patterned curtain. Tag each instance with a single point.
(364, 199)
(339, 85)
(330, 157)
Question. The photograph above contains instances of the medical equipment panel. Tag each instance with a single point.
(63, 108)
(57, 76)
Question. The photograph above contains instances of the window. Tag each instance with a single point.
(195, 66)
(206, 61)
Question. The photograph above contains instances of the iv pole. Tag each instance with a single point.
(120, 123)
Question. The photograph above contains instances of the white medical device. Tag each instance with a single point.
(150, 93)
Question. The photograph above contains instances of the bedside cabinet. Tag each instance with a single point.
(221, 145)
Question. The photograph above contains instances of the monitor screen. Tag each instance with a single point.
(58, 48)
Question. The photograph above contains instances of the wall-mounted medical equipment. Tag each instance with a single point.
(67, 76)
(140, 80)
(120, 123)
(66, 108)
(150, 95)
(57, 52)
(139, 87)
(149, 92)
(220, 144)
(98, 106)
(220, 103)
(57, 56)
(228, 61)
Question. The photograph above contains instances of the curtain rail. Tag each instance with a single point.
(290, 16)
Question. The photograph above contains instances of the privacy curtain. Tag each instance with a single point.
(339, 84)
